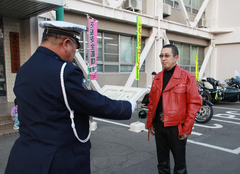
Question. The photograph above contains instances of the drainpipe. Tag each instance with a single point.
(60, 14)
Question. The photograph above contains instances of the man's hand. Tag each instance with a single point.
(185, 136)
(151, 130)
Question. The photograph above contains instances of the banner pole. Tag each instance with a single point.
(137, 70)
(93, 125)
(138, 126)
(88, 46)
(138, 53)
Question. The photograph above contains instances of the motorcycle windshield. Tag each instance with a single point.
(237, 79)
(237, 76)
(223, 84)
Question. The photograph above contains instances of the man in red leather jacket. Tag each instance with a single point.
(173, 103)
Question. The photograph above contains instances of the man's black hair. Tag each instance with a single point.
(174, 49)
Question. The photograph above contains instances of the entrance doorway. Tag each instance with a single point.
(2, 64)
(2, 71)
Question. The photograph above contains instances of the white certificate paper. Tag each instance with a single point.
(122, 93)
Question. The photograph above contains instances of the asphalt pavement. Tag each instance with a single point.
(212, 148)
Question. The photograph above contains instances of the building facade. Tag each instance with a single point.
(206, 28)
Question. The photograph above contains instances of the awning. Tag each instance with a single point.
(22, 9)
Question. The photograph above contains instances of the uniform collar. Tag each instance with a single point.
(48, 52)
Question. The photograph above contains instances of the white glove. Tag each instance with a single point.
(134, 104)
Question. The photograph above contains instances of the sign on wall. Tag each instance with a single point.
(92, 41)
(15, 53)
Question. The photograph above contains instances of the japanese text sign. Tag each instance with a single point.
(15, 56)
(92, 51)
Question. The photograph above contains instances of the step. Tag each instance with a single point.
(5, 117)
(6, 124)
(7, 132)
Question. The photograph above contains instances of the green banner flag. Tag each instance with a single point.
(138, 46)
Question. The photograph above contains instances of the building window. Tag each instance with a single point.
(192, 6)
(82, 50)
(116, 53)
(187, 56)
(111, 46)
(126, 52)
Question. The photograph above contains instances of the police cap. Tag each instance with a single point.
(63, 28)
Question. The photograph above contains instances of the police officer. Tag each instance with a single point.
(47, 143)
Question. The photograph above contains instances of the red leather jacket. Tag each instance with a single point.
(180, 99)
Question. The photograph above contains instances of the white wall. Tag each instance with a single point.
(228, 60)
(212, 13)
(228, 44)
(31, 36)
(151, 64)
(12, 25)
(228, 13)
(228, 17)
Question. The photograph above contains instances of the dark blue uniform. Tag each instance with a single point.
(47, 143)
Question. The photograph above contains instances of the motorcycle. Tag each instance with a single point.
(205, 114)
(234, 82)
(205, 93)
(145, 101)
(221, 91)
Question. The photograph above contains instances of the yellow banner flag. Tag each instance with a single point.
(196, 68)
(138, 47)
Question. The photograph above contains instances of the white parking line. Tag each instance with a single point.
(225, 121)
(125, 125)
(226, 108)
(232, 117)
(216, 126)
(235, 151)
(196, 133)
(107, 121)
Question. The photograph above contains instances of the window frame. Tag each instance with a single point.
(190, 65)
(189, 7)
(102, 63)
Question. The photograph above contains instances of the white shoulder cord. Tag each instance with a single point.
(71, 111)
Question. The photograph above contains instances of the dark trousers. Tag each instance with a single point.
(167, 140)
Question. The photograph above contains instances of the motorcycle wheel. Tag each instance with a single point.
(205, 114)
(206, 96)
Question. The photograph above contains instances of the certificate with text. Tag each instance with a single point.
(122, 93)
